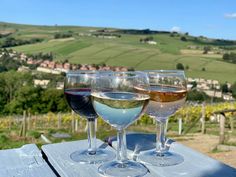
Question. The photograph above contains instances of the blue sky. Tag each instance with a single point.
(212, 18)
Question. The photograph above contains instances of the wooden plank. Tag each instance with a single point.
(59, 156)
(195, 164)
(26, 161)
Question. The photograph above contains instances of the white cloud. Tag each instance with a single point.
(230, 15)
(175, 29)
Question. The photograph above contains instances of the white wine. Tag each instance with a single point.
(164, 100)
(119, 109)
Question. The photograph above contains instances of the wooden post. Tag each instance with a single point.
(180, 126)
(35, 122)
(203, 118)
(10, 122)
(231, 123)
(23, 129)
(28, 121)
(222, 129)
(76, 125)
(59, 121)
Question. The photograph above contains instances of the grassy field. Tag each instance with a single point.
(126, 51)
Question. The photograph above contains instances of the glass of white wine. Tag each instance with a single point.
(117, 100)
(168, 91)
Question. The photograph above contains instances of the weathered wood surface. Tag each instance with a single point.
(195, 164)
(26, 161)
(59, 157)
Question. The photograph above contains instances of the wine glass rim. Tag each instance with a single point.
(114, 74)
(165, 71)
(76, 72)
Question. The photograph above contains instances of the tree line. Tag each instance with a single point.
(230, 57)
(12, 42)
(17, 93)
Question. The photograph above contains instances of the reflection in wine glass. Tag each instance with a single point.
(116, 99)
(78, 95)
(167, 94)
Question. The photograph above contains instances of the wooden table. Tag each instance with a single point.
(54, 160)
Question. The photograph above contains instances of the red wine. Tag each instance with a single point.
(80, 101)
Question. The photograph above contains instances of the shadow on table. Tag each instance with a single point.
(139, 141)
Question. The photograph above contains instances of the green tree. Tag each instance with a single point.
(26, 98)
(225, 88)
(180, 66)
(183, 38)
(206, 49)
(195, 95)
(233, 89)
(53, 101)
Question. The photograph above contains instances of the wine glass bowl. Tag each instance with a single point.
(116, 99)
(168, 92)
(77, 91)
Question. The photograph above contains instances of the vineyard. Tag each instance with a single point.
(27, 128)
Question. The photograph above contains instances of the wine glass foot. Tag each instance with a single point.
(125, 169)
(83, 157)
(166, 159)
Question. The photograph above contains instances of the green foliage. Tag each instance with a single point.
(183, 38)
(42, 56)
(7, 63)
(146, 39)
(225, 88)
(230, 57)
(233, 89)
(194, 95)
(34, 134)
(206, 49)
(11, 42)
(63, 35)
(17, 94)
(3, 138)
(180, 66)
(53, 101)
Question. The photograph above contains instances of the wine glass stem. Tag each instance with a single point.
(161, 139)
(121, 146)
(92, 135)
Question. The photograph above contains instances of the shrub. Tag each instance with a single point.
(3, 138)
(34, 134)
(180, 66)
(183, 38)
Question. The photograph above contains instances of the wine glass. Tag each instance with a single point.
(168, 93)
(78, 95)
(116, 99)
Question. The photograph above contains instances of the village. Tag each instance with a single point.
(211, 87)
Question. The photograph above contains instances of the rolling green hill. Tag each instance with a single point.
(84, 48)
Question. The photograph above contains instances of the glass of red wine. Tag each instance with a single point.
(77, 91)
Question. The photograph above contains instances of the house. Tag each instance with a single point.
(23, 69)
(152, 42)
(41, 83)
(60, 85)
(51, 65)
(67, 66)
